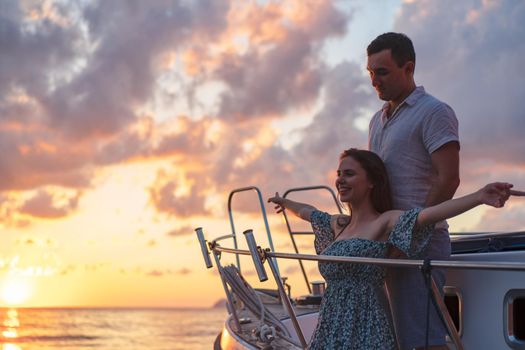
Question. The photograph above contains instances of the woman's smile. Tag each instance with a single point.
(343, 190)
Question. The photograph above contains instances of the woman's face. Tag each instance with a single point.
(352, 181)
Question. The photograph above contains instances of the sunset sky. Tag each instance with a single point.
(125, 124)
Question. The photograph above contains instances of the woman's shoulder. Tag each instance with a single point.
(389, 218)
(339, 221)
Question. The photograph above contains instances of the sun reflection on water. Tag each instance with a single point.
(9, 346)
(10, 330)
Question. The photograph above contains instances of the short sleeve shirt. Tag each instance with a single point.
(419, 126)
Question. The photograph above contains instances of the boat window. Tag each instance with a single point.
(454, 302)
(514, 317)
(518, 310)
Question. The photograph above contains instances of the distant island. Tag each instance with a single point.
(221, 303)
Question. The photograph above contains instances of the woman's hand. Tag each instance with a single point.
(496, 194)
(301, 210)
(279, 201)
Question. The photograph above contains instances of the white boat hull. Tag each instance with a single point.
(482, 296)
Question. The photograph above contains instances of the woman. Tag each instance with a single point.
(354, 312)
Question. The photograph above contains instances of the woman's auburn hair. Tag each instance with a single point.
(381, 193)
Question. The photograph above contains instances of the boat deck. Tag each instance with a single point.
(250, 322)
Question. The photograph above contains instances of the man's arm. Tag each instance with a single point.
(445, 161)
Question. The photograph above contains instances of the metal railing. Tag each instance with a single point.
(292, 233)
(260, 256)
(458, 236)
(232, 224)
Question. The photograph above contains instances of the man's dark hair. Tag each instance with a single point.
(399, 44)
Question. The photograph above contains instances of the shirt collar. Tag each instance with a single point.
(415, 96)
(411, 100)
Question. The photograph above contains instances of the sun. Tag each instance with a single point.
(15, 291)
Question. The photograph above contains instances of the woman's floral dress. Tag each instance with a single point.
(354, 312)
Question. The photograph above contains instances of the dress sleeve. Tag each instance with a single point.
(322, 229)
(409, 238)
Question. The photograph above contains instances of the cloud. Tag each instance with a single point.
(164, 272)
(44, 205)
(88, 74)
(81, 86)
(347, 97)
(184, 271)
(504, 220)
(183, 135)
(38, 157)
(126, 40)
(155, 273)
(268, 59)
(250, 153)
(181, 231)
(74, 78)
(38, 46)
(470, 70)
(171, 197)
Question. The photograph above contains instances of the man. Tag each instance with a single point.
(416, 135)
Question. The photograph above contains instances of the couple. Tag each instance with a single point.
(416, 136)
(354, 313)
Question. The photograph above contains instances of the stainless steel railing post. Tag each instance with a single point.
(204, 248)
(256, 256)
(442, 308)
(263, 212)
(207, 260)
(258, 260)
(287, 303)
(293, 233)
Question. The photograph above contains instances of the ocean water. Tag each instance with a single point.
(105, 329)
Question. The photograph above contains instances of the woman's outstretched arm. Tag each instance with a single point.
(302, 210)
(494, 194)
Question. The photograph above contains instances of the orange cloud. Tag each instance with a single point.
(155, 273)
(184, 271)
(181, 231)
(45, 205)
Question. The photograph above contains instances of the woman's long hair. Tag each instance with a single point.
(381, 194)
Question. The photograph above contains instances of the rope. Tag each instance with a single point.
(253, 301)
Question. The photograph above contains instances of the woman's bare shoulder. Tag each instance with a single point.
(339, 221)
(389, 218)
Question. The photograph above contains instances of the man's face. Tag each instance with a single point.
(389, 80)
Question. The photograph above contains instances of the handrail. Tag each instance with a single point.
(230, 214)
(459, 236)
(448, 264)
(220, 238)
(260, 256)
(292, 233)
(259, 259)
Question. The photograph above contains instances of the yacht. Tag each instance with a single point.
(482, 304)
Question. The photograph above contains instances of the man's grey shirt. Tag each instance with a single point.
(405, 141)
